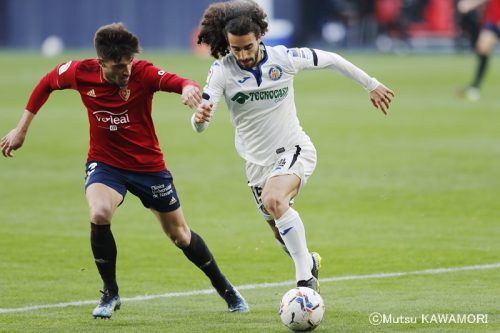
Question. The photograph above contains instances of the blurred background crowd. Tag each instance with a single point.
(384, 25)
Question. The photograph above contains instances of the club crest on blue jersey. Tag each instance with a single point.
(275, 73)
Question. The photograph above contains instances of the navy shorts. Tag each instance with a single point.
(155, 189)
(495, 28)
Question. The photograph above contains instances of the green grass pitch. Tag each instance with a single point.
(416, 190)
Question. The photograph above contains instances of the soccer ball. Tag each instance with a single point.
(301, 309)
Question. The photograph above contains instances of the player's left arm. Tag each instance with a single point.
(305, 58)
(381, 97)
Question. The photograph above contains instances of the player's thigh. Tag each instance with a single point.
(103, 201)
(104, 190)
(282, 186)
(486, 42)
(299, 161)
(291, 171)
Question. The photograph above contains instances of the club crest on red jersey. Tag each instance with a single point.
(124, 94)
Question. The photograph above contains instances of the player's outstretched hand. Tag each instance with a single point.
(191, 96)
(12, 141)
(203, 113)
(381, 97)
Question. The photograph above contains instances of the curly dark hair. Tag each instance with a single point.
(238, 17)
(114, 41)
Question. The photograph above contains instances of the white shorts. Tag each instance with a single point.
(299, 160)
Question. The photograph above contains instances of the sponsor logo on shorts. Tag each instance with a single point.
(161, 190)
(90, 171)
(281, 163)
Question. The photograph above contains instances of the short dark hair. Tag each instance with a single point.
(238, 17)
(114, 41)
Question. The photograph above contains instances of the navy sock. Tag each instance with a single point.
(199, 254)
(104, 250)
(481, 69)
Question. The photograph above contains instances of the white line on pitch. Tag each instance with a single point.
(261, 286)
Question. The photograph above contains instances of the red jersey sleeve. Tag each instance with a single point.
(492, 12)
(157, 79)
(61, 77)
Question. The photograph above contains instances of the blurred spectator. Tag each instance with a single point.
(468, 25)
(486, 42)
(3, 24)
(348, 23)
(395, 17)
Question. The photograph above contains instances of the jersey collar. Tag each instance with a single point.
(257, 72)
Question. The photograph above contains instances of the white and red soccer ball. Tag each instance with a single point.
(301, 309)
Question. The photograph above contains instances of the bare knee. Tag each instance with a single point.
(175, 227)
(181, 237)
(486, 43)
(101, 215)
(102, 201)
(274, 204)
(178, 232)
(482, 50)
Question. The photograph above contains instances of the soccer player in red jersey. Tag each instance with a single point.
(124, 154)
(487, 40)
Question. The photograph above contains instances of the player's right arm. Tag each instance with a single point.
(212, 93)
(62, 77)
(15, 138)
